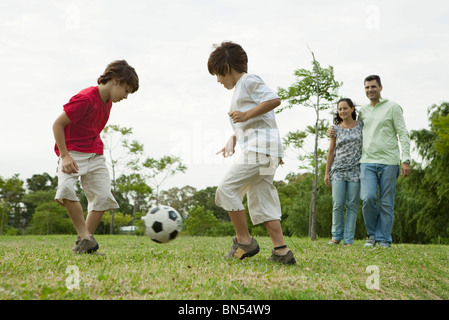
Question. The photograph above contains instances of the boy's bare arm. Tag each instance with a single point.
(68, 164)
(262, 108)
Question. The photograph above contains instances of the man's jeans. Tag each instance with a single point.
(378, 218)
(344, 192)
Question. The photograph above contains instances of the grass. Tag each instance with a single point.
(192, 268)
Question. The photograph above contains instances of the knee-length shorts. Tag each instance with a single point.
(95, 181)
(252, 175)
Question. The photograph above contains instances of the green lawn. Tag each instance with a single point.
(192, 268)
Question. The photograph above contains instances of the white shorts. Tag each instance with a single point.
(94, 179)
(252, 175)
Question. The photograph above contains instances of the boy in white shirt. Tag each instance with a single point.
(254, 124)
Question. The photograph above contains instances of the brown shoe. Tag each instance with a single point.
(87, 246)
(242, 251)
(287, 258)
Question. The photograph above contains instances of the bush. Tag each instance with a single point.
(50, 218)
(120, 220)
(202, 222)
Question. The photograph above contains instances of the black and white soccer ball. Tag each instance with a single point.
(162, 224)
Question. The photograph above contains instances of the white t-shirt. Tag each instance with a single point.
(259, 134)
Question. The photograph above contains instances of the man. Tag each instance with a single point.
(381, 161)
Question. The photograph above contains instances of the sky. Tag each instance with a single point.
(51, 50)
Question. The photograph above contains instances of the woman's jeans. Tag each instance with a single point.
(344, 192)
(378, 218)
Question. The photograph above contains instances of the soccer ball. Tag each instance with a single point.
(162, 224)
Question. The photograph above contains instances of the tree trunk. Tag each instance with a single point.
(312, 219)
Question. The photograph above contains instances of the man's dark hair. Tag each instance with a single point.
(373, 77)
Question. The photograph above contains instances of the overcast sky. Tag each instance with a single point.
(50, 50)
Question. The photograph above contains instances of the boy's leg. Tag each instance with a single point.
(86, 242)
(93, 220)
(238, 219)
(230, 193)
(264, 207)
(277, 237)
(97, 188)
(244, 246)
(76, 214)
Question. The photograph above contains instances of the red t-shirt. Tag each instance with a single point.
(88, 116)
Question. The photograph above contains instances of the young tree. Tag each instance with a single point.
(157, 171)
(135, 187)
(316, 89)
(113, 137)
(179, 198)
(139, 176)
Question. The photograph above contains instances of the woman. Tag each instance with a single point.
(343, 171)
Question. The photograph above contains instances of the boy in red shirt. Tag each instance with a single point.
(80, 150)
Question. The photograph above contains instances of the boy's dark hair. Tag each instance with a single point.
(121, 71)
(227, 55)
(373, 77)
(337, 119)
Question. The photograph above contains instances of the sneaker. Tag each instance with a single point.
(287, 258)
(370, 242)
(384, 245)
(242, 251)
(87, 245)
(333, 241)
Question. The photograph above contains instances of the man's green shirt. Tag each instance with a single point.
(383, 124)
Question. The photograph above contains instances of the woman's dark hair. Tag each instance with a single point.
(227, 55)
(337, 119)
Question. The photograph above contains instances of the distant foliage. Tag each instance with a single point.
(421, 205)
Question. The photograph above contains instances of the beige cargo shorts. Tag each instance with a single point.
(95, 181)
(253, 175)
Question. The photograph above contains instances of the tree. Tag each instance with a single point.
(129, 149)
(430, 180)
(50, 218)
(135, 187)
(138, 176)
(33, 199)
(206, 198)
(157, 171)
(182, 199)
(121, 220)
(317, 89)
(42, 182)
(11, 192)
(41, 188)
(439, 118)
